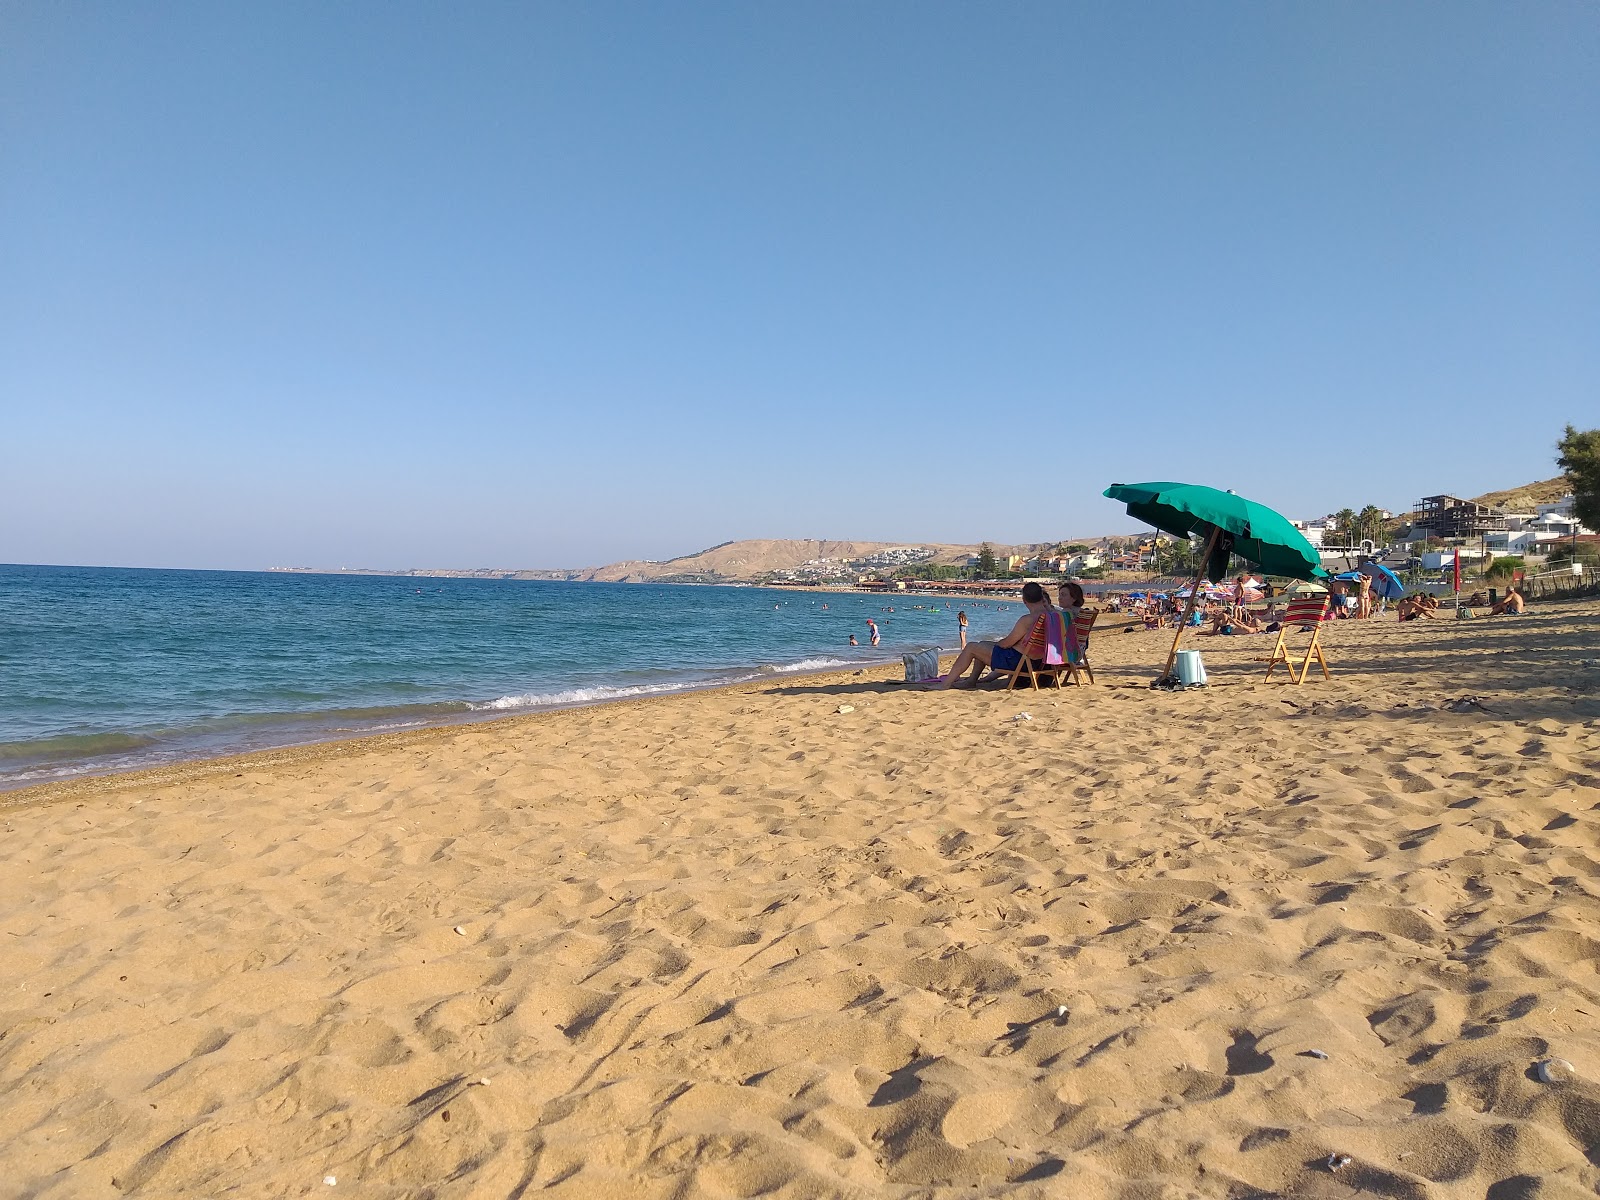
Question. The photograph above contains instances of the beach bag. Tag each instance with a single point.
(922, 665)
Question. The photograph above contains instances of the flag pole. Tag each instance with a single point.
(1194, 593)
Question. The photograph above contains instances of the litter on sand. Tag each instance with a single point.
(1555, 1070)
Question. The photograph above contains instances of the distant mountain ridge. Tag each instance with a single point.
(757, 558)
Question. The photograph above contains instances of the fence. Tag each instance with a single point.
(1562, 585)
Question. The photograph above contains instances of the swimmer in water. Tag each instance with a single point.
(853, 641)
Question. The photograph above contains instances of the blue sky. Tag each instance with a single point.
(549, 285)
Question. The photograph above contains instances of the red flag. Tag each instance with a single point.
(1458, 570)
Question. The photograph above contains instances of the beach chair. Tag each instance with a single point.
(1307, 612)
(1082, 627)
(1049, 645)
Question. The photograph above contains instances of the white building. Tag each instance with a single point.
(1314, 530)
(1558, 526)
(1516, 541)
(1435, 559)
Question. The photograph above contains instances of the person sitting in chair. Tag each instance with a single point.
(1001, 655)
(1071, 599)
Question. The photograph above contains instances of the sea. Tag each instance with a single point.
(108, 669)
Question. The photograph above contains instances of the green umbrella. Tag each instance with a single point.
(1230, 524)
(1254, 532)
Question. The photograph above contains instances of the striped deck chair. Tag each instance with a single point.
(1082, 627)
(1047, 651)
(1305, 613)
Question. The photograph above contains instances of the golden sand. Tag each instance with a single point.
(739, 943)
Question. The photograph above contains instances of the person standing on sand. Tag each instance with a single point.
(872, 628)
(961, 628)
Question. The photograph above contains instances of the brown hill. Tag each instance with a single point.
(1529, 495)
(757, 558)
(752, 559)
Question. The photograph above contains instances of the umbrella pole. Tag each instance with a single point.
(1194, 594)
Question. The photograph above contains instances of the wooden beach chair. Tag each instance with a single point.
(1082, 627)
(1307, 612)
(1047, 645)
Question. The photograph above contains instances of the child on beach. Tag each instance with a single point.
(872, 628)
(961, 628)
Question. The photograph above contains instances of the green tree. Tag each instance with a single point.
(1178, 556)
(988, 564)
(1369, 523)
(1345, 519)
(1580, 458)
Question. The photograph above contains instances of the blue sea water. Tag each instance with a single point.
(105, 669)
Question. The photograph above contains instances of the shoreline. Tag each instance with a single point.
(95, 716)
(187, 769)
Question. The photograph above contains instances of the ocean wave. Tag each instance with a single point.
(583, 695)
(600, 693)
(71, 746)
(807, 664)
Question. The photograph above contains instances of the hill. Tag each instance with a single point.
(1528, 496)
(757, 558)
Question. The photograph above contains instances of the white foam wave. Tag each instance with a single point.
(587, 695)
(808, 664)
(594, 695)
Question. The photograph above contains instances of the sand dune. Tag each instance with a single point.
(740, 943)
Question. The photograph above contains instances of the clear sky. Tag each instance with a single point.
(518, 284)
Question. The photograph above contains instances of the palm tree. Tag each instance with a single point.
(1369, 521)
(1345, 519)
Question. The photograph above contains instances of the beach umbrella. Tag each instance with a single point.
(1385, 583)
(1230, 524)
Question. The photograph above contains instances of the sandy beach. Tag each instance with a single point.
(740, 942)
